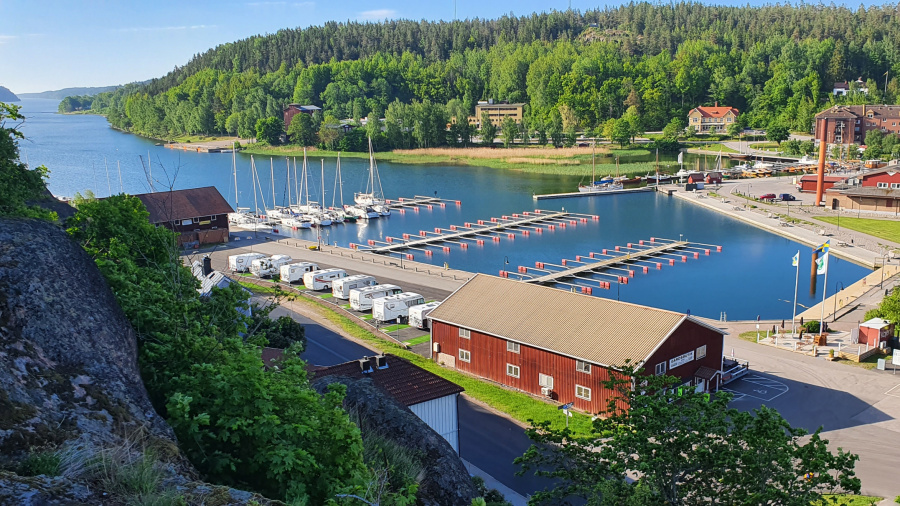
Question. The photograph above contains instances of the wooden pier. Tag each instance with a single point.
(524, 224)
(592, 194)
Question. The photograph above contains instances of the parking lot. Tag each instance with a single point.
(756, 387)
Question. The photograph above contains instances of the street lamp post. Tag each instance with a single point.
(836, 292)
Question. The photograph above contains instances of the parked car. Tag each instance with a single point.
(787, 197)
(767, 196)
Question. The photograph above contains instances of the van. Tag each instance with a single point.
(341, 288)
(267, 267)
(241, 263)
(322, 280)
(294, 272)
(395, 307)
(361, 298)
(418, 315)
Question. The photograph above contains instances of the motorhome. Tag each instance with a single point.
(361, 298)
(270, 266)
(322, 280)
(395, 307)
(292, 273)
(241, 263)
(418, 315)
(341, 288)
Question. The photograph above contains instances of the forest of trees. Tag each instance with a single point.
(777, 64)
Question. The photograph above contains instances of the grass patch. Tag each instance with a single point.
(266, 289)
(518, 405)
(325, 296)
(869, 363)
(345, 306)
(848, 500)
(766, 146)
(535, 159)
(394, 328)
(751, 335)
(418, 340)
(888, 230)
(714, 147)
(366, 317)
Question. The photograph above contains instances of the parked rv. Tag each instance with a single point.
(322, 280)
(395, 307)
(418, 315)
(267, 267)
(294, 272)
(361, 298)
(241, 263)
(341, 288)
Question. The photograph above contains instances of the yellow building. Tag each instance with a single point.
(712, 119)
(497, 112)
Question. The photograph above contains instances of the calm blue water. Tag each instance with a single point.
(752, 276)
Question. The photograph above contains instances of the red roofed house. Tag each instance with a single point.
(427, 395)
(712, 119)
(198, 215)
(808, 183)
(875, 331)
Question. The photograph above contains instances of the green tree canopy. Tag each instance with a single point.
(302, 130)
(778, 133)
(269, 130)
(686, 448)
(18, 183)
(488, 130)
(509, 130)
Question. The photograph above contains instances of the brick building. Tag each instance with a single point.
(848, 124)
(497, 111)
(563, 345)
(292, 110)
(875, 191)
(197, 215)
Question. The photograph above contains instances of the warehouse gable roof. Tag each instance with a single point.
(598, 330)
(184, 204)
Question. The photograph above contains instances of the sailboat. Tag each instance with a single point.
(242, 214)
(252, 221)
(604, 184)
(339, 213)
(294, 220)
(373, 197)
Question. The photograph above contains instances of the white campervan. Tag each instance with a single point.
(418, 315)
(397, 306)
(241, 263)
(341, 288)
(361, 298)
(265, 267)
(322, 280)
(295, 272)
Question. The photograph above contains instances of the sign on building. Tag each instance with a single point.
(681, 360)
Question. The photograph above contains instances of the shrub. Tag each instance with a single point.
(812, 326)
(46, 463)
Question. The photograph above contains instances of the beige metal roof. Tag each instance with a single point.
(594, 329)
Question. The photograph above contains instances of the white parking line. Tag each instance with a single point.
(767, 389)
(891, 392)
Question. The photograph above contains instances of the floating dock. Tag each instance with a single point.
(620, 263)
(418, 201)
(593, 194)
(523, 224)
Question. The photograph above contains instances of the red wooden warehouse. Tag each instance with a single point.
(563, 345)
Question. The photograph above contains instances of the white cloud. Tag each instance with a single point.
(136, 29)
(376, 15)
(266, 4)
(7, 38)
(304, 4)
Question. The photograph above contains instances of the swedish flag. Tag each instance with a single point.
(824, 247)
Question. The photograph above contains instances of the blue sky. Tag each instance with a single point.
(48, 45)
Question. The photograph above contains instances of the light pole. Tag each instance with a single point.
(836, 292)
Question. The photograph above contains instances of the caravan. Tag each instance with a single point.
(266, 267)
(322, 280)
(341, 288)
(241, 263)
(418, 315)
(395, 307)
(295, 272)
(361, 298)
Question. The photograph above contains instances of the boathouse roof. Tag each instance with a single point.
(601, 331)
(185, 204)
(715, 112)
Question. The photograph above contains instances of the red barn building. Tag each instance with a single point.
(197, 215)
(563, 345)
(292, 110)
(877, 191)
(808, 183)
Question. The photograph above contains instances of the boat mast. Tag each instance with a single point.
(287, 162)
(296, 187)
(371, 168)
(306, 179)
(322, 205)
(336, 176)
(253, 175)
(272, 170)
(340, 180)
(234, 171)
(593, 162)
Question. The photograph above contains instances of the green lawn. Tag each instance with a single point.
(888, 230)
(751, 336)
(849, 500)
(766, 146)
(418, 340)
(714, 147)
(394, 328)
(519, 406)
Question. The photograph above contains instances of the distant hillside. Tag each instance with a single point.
(65, 92)
(7, 96)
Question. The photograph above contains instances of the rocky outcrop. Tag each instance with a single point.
(444, 480)
(70, 385)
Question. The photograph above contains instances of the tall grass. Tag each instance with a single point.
(500, 153)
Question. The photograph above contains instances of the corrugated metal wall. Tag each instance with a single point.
(441, 415)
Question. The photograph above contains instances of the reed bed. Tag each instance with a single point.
(500, 153)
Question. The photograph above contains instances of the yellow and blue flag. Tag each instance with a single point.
(795, 261)
(824, 247)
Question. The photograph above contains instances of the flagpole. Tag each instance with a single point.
(824, 291)
(796, 282)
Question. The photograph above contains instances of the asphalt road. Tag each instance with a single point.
(486, 439)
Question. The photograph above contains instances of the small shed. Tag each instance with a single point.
(875, 331)
(696, 177)
(808, 183)
(714, 177)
